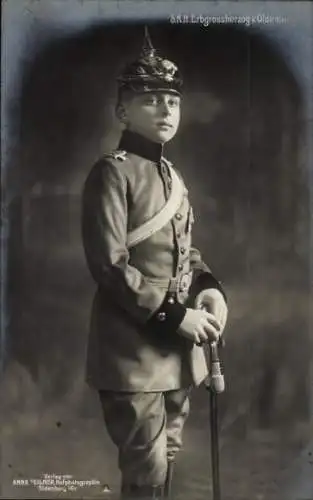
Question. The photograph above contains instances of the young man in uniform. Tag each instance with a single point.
(145, 348)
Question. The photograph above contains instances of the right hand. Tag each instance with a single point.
(199, 326)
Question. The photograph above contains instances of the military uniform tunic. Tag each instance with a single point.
(133, 342)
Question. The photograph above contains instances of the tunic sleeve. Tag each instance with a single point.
(202, 275)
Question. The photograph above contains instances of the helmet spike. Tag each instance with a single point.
(147, 48)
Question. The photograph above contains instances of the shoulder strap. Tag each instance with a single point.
(162, 217)
(117, 154)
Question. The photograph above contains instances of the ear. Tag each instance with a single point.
(121, 113)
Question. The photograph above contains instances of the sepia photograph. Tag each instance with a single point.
(156, 250)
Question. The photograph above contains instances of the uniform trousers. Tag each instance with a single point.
(147, 429)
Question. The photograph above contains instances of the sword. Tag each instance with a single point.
(215, 384)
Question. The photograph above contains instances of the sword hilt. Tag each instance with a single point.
(215, 380)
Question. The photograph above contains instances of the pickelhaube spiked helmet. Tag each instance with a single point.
(150, 72)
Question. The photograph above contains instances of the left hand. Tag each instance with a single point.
(213, 301)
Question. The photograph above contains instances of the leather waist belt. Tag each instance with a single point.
(173, 285)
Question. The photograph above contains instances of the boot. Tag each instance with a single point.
(168, 481)
(146, 492)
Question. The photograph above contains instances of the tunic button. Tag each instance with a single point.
(178, 234)
(180, 267)
(161, 316)
(179, 216)
(182, 250)
(171, 300)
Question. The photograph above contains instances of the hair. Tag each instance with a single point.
(123, 96)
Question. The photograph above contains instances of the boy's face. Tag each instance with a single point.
(155, 115)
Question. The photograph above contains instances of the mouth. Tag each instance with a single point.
(164, 125)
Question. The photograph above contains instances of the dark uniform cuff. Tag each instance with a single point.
(204, 280)
(169, 316)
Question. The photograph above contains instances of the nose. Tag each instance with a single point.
(165, 109)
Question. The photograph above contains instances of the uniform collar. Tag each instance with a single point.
(141, 146)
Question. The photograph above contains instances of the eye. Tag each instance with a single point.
(151, 99)
(173, 102)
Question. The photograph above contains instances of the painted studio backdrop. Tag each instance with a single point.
(244, 153)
